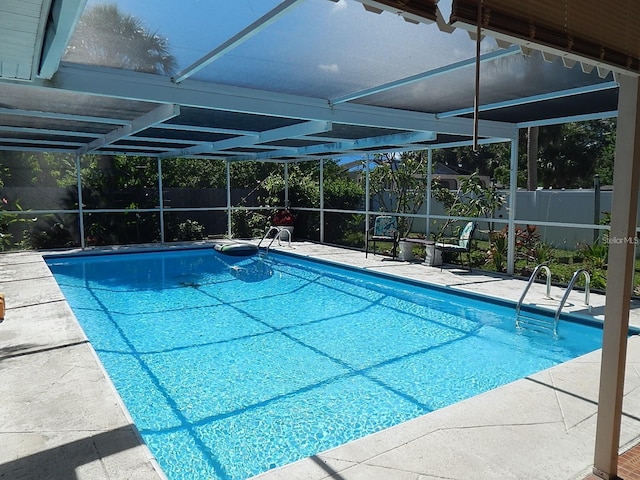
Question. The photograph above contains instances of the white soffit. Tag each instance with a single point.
(22, 25)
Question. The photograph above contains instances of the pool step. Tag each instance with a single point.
(536, 322)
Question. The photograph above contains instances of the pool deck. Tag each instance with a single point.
(60, 417)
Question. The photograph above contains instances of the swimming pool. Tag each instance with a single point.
(232, 366)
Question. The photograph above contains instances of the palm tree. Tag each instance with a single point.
(107, 37)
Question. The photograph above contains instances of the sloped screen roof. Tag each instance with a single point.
(284, 80)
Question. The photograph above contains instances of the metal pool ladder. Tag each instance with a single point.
(576, 275)
(539, 323)
(277, 236)
(529, 320)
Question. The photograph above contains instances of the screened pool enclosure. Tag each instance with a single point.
(276, 82)
(294, 81)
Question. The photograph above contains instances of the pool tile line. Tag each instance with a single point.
(207, 420)
(383, 296)
(352, 370)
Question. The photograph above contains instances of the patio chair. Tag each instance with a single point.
(385, 229)
(463, 245)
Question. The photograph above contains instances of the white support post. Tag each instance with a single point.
(80, 206)
(161, 200)
(321, 200)
(619, 279)
(513, 188)
(286, 185)
(229, 232)
(427, 228)
(367, 200)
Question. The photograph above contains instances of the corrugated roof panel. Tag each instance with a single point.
(590, 29)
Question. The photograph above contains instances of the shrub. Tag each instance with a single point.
(190, 230)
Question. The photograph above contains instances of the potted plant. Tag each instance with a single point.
(284, 219)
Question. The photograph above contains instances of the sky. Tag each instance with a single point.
(329, 38)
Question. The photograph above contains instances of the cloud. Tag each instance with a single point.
(331, 68)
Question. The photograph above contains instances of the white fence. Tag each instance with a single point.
(563, 207)
(564, 218)
(573, 211)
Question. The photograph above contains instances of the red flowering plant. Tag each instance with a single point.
(283, 218)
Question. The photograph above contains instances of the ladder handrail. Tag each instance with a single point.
(267, 234)
(277, 236)
(532, 278)
(587, 281)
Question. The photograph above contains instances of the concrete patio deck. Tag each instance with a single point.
(62, 419)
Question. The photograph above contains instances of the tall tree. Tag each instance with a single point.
(572, 153)
(492, 160)
(568, 156)
(108, 37)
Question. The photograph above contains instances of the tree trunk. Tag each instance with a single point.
(532, 158)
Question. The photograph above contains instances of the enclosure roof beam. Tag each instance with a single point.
(41, 142)
(238, 39)
(532, 99)
(61, 116)
(573, 118)
(428, 74)
(291, 131)
(48, 131)
(388, 141)
(148, 87)
(469, 143)
(142, 138)
(158, 115)
(195, 128)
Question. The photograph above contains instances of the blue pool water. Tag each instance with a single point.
(233, 366)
